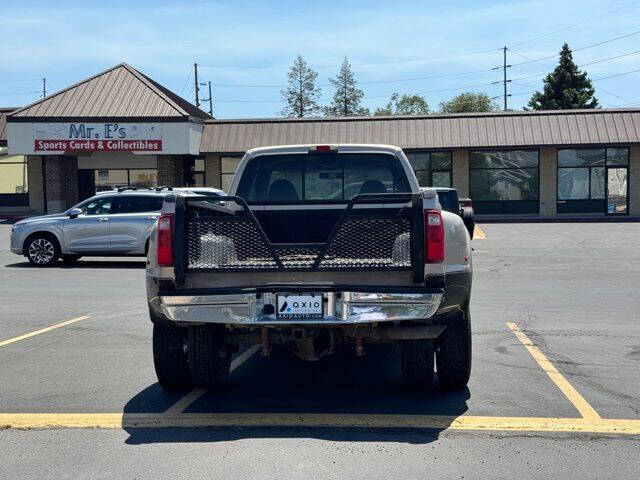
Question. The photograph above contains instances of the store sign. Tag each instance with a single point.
(78, 137)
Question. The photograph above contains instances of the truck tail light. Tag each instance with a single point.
(165, 241)
(433, 237)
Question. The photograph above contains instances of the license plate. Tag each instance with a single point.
(293, 305)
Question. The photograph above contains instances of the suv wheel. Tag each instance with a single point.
(416, 365)
(453, 356)
(170, 358)
(209, 359)
(42, 250)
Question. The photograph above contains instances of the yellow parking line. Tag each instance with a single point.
(42, 330)
(479, 233)
(436, 422)
(182, 404)
(578, 401)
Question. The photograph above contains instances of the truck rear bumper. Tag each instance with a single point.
(256, 309)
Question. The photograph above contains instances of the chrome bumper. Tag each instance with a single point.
(343, 308)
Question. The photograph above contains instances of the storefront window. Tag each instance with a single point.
(583, 181)
(432, 169)
(228, 166)
(109, 179)
(143, 178)
(504, 181)
(13, 173)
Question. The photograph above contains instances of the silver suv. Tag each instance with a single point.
(111, 223)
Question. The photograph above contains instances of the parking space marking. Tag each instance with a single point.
(479, 233)
(318, 420)
(42, 330)
(182, 404)
(578, 401)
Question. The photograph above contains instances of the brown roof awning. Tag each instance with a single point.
(481, 130)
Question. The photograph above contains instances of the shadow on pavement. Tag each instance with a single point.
(87, 264)
(338, 384)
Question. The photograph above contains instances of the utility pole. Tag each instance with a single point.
(504, 71)
(44, 87)
(197, 85)
(210, 99)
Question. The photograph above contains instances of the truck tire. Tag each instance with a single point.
(416, 363)
(169, 357)
(453, 355)
(209, 359)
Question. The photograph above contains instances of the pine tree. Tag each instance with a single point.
(301, 95)
(347, 97)
(566, 87)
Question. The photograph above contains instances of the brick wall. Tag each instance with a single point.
(460, 172)
(548, 181)
(61, 182)
(36, 191)
(633, 181)
(171, 171)
(212, 170)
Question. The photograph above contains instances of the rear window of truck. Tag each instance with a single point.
(302, 178)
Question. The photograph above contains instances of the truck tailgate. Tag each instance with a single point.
(220, 243)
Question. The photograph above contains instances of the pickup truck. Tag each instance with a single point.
(316, 248)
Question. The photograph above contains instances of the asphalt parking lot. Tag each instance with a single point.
(555, 387)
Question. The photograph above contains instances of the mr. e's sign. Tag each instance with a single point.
(78, 137)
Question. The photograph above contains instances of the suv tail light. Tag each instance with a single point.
(433, 237)
(165, 241)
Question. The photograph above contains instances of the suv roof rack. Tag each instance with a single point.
(159, 188)
(122, 189)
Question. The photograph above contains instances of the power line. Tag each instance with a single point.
(580, 66)
(464, 87)
(616, 75)
(532, 60)
(373, 82)
(583, 65)
(18, 93)
(446, 75)
(576, 24)
(356, 63)
(22, 80)
(186, 81)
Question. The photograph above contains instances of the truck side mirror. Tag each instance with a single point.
(74, 212)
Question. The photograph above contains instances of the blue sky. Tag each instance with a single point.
(252, 43)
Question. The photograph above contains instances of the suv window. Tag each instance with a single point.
(301, 178)
(96, 206)
(137, 204)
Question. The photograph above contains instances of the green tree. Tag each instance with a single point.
(468, 102)
(566, 87)
(404, 105)
(347, 97)
(301, 95)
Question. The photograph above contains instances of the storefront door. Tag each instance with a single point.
(617, 198)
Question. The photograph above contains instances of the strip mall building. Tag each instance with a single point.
(122, 128)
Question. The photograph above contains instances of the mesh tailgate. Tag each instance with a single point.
(225, 236)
